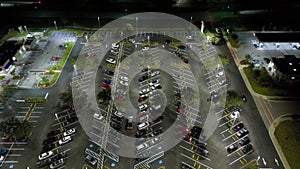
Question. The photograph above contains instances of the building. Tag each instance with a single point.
(285, 70)
(7, 53)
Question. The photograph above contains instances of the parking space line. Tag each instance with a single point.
(14, 155)
(226, 122)
(240, 158)
(194, 152)
(230, 136)
(195, 160)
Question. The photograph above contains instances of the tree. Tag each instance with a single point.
(12, 127)
(233, 98)
(265, 80)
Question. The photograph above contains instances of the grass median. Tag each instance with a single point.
(287, 134)
(268, 91)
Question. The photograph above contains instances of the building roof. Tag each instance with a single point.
(8, 50)
(287, 64)
(278, 37)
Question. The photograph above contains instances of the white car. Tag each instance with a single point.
(124, 78)
(118, 114)
(69, 132)
(144, 91)
(57, 163)
(64, 140)
(143, 126)
(115, 52)
(1, 158)
(98, 116)
(124, 83)
(141, 147)
(111, 60)
(143, 107)
(235, 114)
(145, 48)
(115, 46)
(45, 155)
(220, 74)
(155, 73)
(131, 41)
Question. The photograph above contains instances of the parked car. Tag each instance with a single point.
(202, 152)
(144, 91)
(65, 140)
(143, 78)
(143, 126)
(109, 72)
(91, 159)
(45, 155)
(145, 48)
(49, 140)
(3, 151)
(110, 60)
(247, 148)
(57, 163)
(98, 116)
(131, 41)
(244, 141)
(72, 120)
(107, 81)
(48, 147)
(69, 132)
(238, 127)
(185, 166)
(129, 123)
(143, 107)
(106, 86)
(155, 73)
(124, 83)
(8, 139)
(232, 148)
(124, 78)
(119, 114)
(241, 133)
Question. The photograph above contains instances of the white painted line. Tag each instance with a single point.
(33, 121)
(239, 158)
(10, 162)
(195, 161)
(16, 149)
(194, 152)
(14, 155)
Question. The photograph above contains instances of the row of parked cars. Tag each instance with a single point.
(49, 155)
(242, 133)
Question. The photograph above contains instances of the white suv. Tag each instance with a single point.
(143, 126)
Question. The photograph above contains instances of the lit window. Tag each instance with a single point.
(293, 78)
(295, 70)
(290, 63)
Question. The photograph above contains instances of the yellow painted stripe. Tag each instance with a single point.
(242, 162)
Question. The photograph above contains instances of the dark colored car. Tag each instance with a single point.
(185, 166)
(195, 132)
(166, 42)
(107, 81)
(109, 72)
(158, 119)
(202, 145)
(8, 139)
(72, 120)
(247, 148)
(48, 147)
(145, 69)
(241, 133)
(3, 151)
(232, 148)
(157, 132)
(53, 133)
(143, 78)
(202, 152)
(116, 126)
(244, 141)
(238, 127)
(49, 140)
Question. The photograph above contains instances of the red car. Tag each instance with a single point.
(238, 127)
(106, 86)
(8, 139)
(185, 129)
(55, 58)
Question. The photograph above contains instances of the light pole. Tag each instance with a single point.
(61, 127)
(99, 22)
(55, 24)
(191, 23)
(25, 27)
(136, 25)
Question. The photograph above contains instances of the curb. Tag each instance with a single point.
(271, 130)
